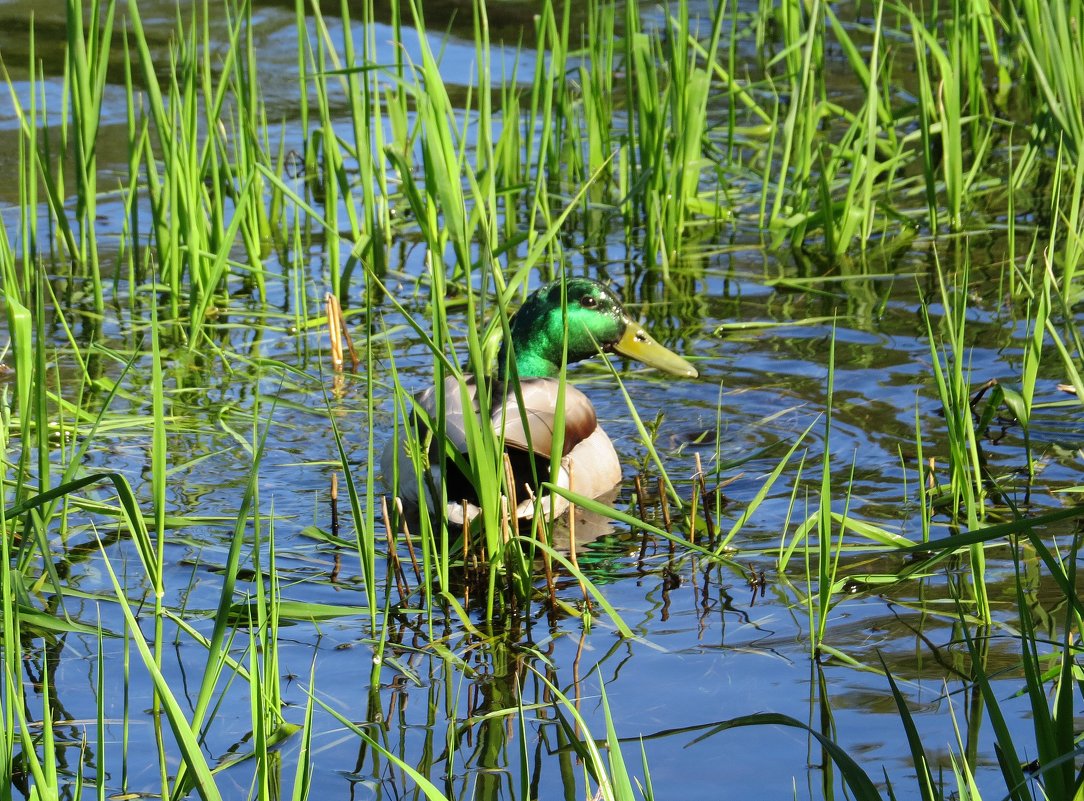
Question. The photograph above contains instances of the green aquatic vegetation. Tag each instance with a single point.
(607, 141)
(1043, 676)
(1049, 33)
(491, 536)
(89, 53)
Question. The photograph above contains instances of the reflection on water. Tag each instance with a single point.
(475, 708)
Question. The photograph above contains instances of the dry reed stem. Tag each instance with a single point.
(509, 500)
(572, 533)
(393, 554)
(408, 539)
(334, 577)
(708, 519)
(338, 334)
(335, 505)
(666, 521)
(547, 564)
(643, 515)
(334, 331)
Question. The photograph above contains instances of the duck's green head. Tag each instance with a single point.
(596, 321)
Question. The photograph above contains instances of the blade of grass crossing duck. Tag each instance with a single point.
(485, 454)
(435, 556)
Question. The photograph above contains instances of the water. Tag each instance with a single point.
(710, 644)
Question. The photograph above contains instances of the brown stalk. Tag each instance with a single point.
(409, 540)
(666, 522)
(643, 514)
(708, 520)
(393, 553)
(338, 334)
(572, 534)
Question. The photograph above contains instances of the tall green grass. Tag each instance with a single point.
(648, 133)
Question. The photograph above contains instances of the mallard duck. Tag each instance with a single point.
(596, 322)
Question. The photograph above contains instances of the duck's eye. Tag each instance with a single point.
(589, 301)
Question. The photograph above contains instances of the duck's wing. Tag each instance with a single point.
(589, 464)
(532, 426)
(529, 438)
(455, 426)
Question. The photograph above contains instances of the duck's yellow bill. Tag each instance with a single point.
(637, 344)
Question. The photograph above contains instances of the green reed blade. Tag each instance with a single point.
(185, 732)
(855, 778)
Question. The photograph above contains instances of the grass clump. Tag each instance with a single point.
(605, 140)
